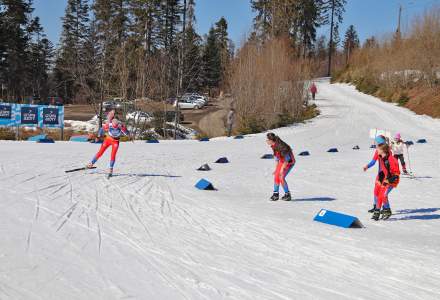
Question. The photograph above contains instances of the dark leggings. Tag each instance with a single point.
(401, 158)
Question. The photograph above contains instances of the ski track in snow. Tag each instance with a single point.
(147, 233)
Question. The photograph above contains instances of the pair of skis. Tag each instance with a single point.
(109, 175)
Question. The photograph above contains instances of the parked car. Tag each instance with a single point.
(194, 99)
(108, 105)
(188, 104)
(195, 96)
(139, 117)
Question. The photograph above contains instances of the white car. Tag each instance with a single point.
(139, 117)
(194, 99)
(187, 104)
(199, 101)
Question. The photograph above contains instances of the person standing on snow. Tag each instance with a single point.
(115, 129)
(230, 120)
(398, 146)
(386, 180)
(313, 90)
(285, 162)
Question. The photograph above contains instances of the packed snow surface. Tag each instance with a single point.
(147, 233)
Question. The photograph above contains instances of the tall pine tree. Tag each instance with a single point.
(211, 61)
(332, 13)
(70, 69)
(224, 45)
(351, 42)
(41, 55)
(16, 30)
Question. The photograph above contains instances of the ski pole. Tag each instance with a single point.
(409, 159)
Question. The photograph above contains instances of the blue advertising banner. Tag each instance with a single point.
(7, 114)
(51, 116)
(31, 115)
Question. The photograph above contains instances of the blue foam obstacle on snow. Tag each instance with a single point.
(267, 156)
(204, 185)
(238, 137)
(79, 138)
(373, 147)
(422, 141)
(409, 143)
(222, 160)
(204, 140)
(46, 141)
(304, 153)
(152, 141)
(356, 147)
(36, 138)
(337, 219)
(333, 150)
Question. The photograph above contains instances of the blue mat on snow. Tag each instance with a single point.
(36, 138)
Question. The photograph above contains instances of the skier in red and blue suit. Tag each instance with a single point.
(114, 129)
(386, 180)
(285, 162)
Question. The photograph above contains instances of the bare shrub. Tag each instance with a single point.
(400, 61)
(268, 85)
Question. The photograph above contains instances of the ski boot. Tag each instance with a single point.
(287, 197)
(89, 166)
(405, 172)
(110, 173)
(373, 209)
(376, 215)
(275, 197)
(386, 213)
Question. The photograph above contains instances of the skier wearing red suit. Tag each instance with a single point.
(114, 129)
(285, 162)
(386, 180)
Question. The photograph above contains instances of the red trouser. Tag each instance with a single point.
(109, 141)
(381, 194)
(282, 179)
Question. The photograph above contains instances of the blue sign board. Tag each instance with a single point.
(5, 112)
(8, 114)
(50, 116)
(31, 115)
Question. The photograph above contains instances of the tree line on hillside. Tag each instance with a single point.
(299, 20)
(401, 67)
(111, 48)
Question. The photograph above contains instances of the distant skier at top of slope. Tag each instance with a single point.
(285, 162)
(398, 146)
(313, 90)
(386, 180)
(113, 129)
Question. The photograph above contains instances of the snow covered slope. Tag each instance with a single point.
(149, 234)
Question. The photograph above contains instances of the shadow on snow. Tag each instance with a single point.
(142, 175)
(313, 199)
(424, 211)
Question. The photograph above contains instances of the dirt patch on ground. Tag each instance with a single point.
(213, 124)
(78, 112)
(424, 101)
